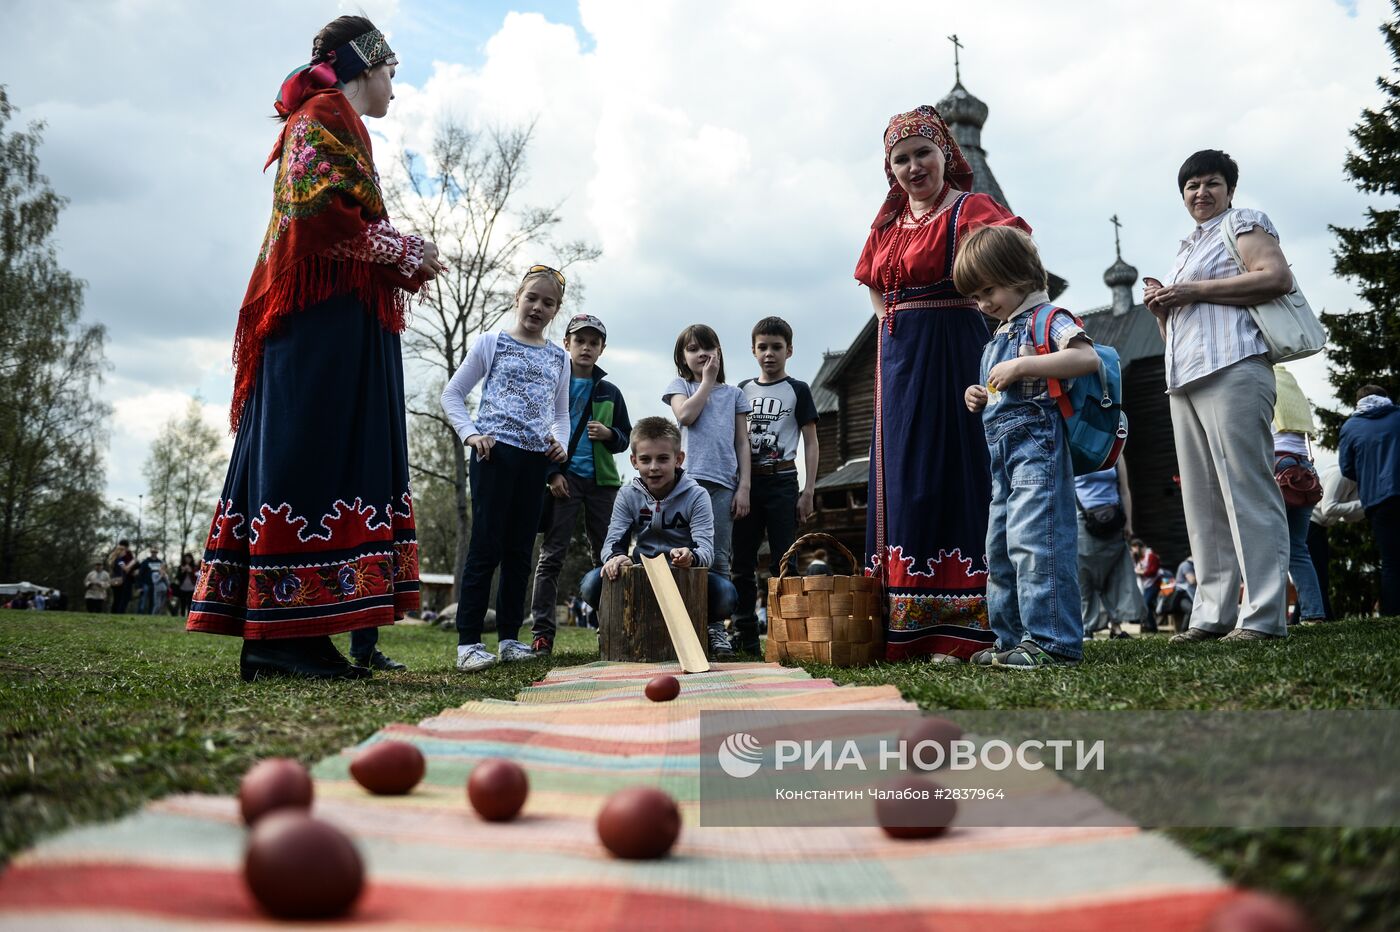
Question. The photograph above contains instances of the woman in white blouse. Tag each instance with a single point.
(1221, 389)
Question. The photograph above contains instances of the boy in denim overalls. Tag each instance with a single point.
(1032, 530)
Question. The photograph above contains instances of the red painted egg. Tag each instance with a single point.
(918, 812)
(298, 867)
(275, 783)
(639, 823)
(938, 731)
(1258, 912)
(497, 789)
(389, 768)
(663, 688)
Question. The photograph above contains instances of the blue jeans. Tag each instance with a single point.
(720, 593)
(1300, 565)
(1032, 532)
(721, 500)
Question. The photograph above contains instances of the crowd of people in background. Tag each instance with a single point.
(122, 583)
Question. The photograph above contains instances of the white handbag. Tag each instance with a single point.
(1290, 328)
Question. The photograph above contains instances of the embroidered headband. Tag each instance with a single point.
(359, 54)
(341, 66)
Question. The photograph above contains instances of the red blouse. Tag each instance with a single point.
(925, 258)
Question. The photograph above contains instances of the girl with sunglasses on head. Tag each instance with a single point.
(521, 425)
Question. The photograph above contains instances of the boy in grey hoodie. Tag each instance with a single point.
(669, 514)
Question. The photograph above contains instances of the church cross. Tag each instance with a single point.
(957, 68)
(1117, 248)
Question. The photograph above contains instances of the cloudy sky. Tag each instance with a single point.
(724, 155)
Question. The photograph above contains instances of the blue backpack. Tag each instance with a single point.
(1092, 408)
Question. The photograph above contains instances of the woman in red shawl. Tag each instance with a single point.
(926, 527)
(313, 534)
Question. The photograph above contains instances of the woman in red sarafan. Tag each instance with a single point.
(313, 534)
(926, 528)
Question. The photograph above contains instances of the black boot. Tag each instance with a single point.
(307, 658)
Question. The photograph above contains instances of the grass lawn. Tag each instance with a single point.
(101, 713)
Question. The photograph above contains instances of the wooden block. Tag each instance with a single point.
(818, 603)
(822, 652)
(632, 627)
(818, 583)
(840, 604)
(792, 585)
(842, 584)
(840, 654)
(864, 584)
(770, 650)
(800, 651)
(818, 628)
(796, 630)
(793, 605)
(777, 628)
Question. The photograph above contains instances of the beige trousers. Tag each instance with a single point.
(1234, 511)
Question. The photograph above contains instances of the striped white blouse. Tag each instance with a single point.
(1204, 338)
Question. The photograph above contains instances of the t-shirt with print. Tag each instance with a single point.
(777, 413)
(709, 440)
(1063, 329)
(580, 394)
(517, 402)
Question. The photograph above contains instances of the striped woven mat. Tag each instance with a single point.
(582, 733)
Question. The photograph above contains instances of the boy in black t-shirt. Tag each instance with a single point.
(781, 412)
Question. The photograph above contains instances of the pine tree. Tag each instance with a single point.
(1364, 343)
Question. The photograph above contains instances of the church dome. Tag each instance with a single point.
(1120, 273)
(959, 106)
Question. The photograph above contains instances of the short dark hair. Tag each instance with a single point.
(1366, 391)
(655, 428)
(123, 543)
(1208, 162)
(773, 327)
(704, 335)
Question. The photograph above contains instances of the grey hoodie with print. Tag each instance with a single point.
(683, 518)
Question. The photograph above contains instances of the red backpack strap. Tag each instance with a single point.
(1040, 335)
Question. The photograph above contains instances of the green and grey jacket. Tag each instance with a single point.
(606, 407)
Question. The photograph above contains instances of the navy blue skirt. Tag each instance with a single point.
(926, 527)
(313, 533)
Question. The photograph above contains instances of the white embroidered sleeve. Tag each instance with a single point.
(380, 242)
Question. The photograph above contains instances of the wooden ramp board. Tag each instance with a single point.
(688, 649)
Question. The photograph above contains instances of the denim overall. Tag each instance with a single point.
(1032, 528)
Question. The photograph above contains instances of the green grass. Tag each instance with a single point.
(101, 713)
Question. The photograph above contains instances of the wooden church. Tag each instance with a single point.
(843, 389)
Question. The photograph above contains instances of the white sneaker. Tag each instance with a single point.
(473, 657)
(512, 651)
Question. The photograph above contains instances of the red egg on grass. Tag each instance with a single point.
(272, 784)
(663, 688)
(916, 810)
(1258, 912)
(930, 731)
(497, 789)
(298, 867)
(389, 768)
(639, 823)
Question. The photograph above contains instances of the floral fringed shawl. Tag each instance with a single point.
(327, 193)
